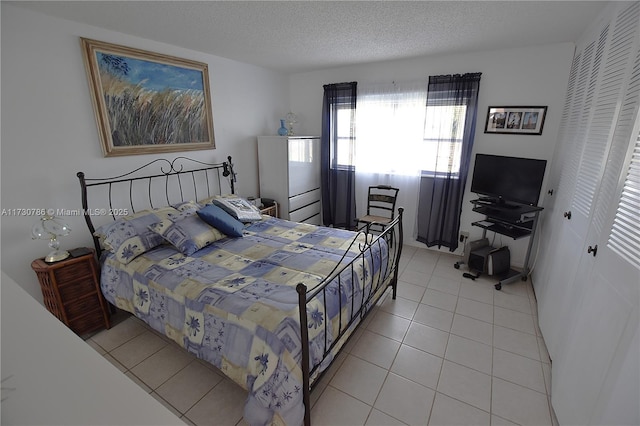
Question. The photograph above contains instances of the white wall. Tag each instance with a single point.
(530, 76)
(49, 131)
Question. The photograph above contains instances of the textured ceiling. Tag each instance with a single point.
(295, 36)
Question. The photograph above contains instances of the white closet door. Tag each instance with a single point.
(593, 320)
(602, 346)
(605, 67)
(571, 230)
(547, 225)
(618, 400)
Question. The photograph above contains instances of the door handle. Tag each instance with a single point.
(593, 250)
(568, 215)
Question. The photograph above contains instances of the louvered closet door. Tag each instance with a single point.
(554, 303)
(617, 97)
(592, 301)
(547, 226)
(601, 383)
(605, 66)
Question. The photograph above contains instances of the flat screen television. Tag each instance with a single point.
(508, 180)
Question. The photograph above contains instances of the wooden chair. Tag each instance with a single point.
(381, 208)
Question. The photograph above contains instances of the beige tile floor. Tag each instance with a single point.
(447, 351)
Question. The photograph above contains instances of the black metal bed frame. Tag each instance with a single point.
(392, 235)
(387, 277)
(211, 173)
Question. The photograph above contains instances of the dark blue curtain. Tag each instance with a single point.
(338, 181)
(440, 202)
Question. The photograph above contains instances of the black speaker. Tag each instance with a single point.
(499, 261)
(478, 259)
(472, 246)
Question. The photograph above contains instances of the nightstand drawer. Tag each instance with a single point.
(76, 289)
(92, 321)
(72, 272)
(81, 306)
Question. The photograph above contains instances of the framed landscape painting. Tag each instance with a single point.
(146, 102)
(521, 120)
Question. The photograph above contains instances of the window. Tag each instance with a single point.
(443, 132)
(345, 138)
(399, 134)
(390, 122)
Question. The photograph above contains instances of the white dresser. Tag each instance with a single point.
(289, 168)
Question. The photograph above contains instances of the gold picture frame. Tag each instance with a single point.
(516, 120)
(147, 103)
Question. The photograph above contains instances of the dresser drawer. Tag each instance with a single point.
(304, 199)
(314, 220)
(305, 213)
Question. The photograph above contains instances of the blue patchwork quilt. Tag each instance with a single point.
(234, 304)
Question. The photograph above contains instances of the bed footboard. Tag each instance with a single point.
(392, 236)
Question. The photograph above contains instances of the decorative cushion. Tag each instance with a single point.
(187, 205)
(187, 232)
(130, 236)
(238, 207)
(209, 200)
(221, 220)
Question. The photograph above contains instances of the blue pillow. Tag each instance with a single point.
(221, 220)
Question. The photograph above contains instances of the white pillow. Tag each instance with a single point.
(239, 208)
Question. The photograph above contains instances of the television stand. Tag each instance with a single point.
(512, 220)
(490, 200)
(509, 206)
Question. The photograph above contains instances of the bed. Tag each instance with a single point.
(267, 301)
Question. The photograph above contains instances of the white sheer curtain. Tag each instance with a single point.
(390, 121)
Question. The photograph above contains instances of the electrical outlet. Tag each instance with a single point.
(464, 235)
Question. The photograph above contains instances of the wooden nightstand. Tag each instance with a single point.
(71, 292)
(271, 210)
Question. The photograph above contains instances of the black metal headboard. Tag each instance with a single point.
(158, 183)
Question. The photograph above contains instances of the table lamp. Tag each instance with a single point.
(50, 228)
